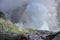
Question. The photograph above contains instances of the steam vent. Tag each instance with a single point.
(29, 19)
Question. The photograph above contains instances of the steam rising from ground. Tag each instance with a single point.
(35, 14)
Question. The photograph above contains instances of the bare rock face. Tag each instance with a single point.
(42, 35)
(57, 36)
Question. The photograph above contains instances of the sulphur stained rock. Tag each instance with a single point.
(6, 27)
(9, 31)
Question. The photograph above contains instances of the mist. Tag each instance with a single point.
(35, 14)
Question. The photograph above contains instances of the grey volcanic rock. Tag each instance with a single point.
(41, 35)
(57, 36)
